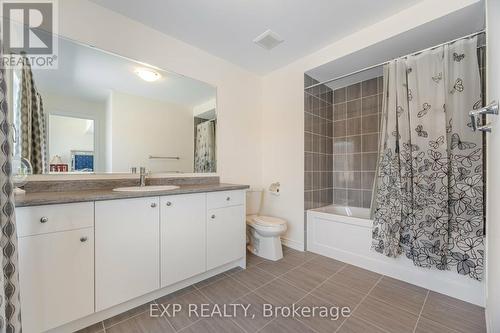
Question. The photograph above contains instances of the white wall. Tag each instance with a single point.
(142, 127)
(108, 131)
(80, 108)
(283, 109)
(493, 165)
(238, 91)
(67, 134)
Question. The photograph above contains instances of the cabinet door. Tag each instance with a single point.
(225, 235)
(56, 273)
(126, 249)
(183, 237)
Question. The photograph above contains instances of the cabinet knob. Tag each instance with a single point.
(153, 205)
(213, 216)
(44, 219)
(169, 203)
(228, 198)
(83, 239)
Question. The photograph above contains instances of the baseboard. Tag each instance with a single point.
(299, 246)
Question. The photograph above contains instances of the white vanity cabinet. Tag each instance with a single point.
(56, 264)
(127, 247)
(226, 235)
(81, 258)
(183, 237)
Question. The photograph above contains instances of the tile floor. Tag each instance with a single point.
(378, 303)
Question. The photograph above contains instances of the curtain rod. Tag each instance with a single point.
(386, 62)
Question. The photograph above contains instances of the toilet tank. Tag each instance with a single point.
(254, 198)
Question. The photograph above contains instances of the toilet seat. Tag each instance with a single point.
(266, 221)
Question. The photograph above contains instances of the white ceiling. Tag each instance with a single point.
(90, 74)
(455, 25)
(226, 28)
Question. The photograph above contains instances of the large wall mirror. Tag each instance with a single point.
(99, 112)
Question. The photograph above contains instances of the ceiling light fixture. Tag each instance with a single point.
(148, 75)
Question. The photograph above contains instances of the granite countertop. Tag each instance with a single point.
(50, 198)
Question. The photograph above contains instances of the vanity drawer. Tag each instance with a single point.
(225, 199)
(37, 220)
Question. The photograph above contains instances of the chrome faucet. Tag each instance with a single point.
(143, 175)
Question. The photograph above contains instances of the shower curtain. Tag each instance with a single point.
(10, 309)
(429, 186)
(33, 130)
(205, 147)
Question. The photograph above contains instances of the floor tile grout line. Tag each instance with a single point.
(275, 277)
(191, 324)
(421, 310)
(402, 309)
(343, 285)
(362, 300)
(310, 292)
(169, 323)
(322, 283)
(370, 323)
(251, 291)
(234, 322)
(442, 325)
(131, 317)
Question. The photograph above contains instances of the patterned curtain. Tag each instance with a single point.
(10, 312)
(33, 130)
(429, 199)
(204, 159)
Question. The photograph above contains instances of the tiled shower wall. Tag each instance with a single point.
(356, 115)
(318, 136)
(341, 142)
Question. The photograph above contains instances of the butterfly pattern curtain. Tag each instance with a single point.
(204, 159)
(429, 186)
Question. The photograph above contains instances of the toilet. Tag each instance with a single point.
(263, 232)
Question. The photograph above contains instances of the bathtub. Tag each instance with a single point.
(345, 234)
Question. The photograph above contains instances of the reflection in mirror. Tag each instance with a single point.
(77, 146)
(99, 112)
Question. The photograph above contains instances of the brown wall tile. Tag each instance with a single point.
(339, 111)
(339, 162)
(353, 180)
(367, 180)
(339, 145)
(339, 95)
(370, 143)
(354, 91)
(369, 87)
(339, 128)
(354, 198)
(353, 108)
(370, 123)
(369, 161)
(340, 197)
(370, 105)
(355, 149)
(353, 162)
(353, 144)
(353, 126)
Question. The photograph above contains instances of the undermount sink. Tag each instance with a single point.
(146, 188)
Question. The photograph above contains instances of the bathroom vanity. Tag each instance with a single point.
(93, 241)
(88, 255)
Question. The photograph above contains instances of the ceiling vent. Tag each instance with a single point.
(268, 40)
